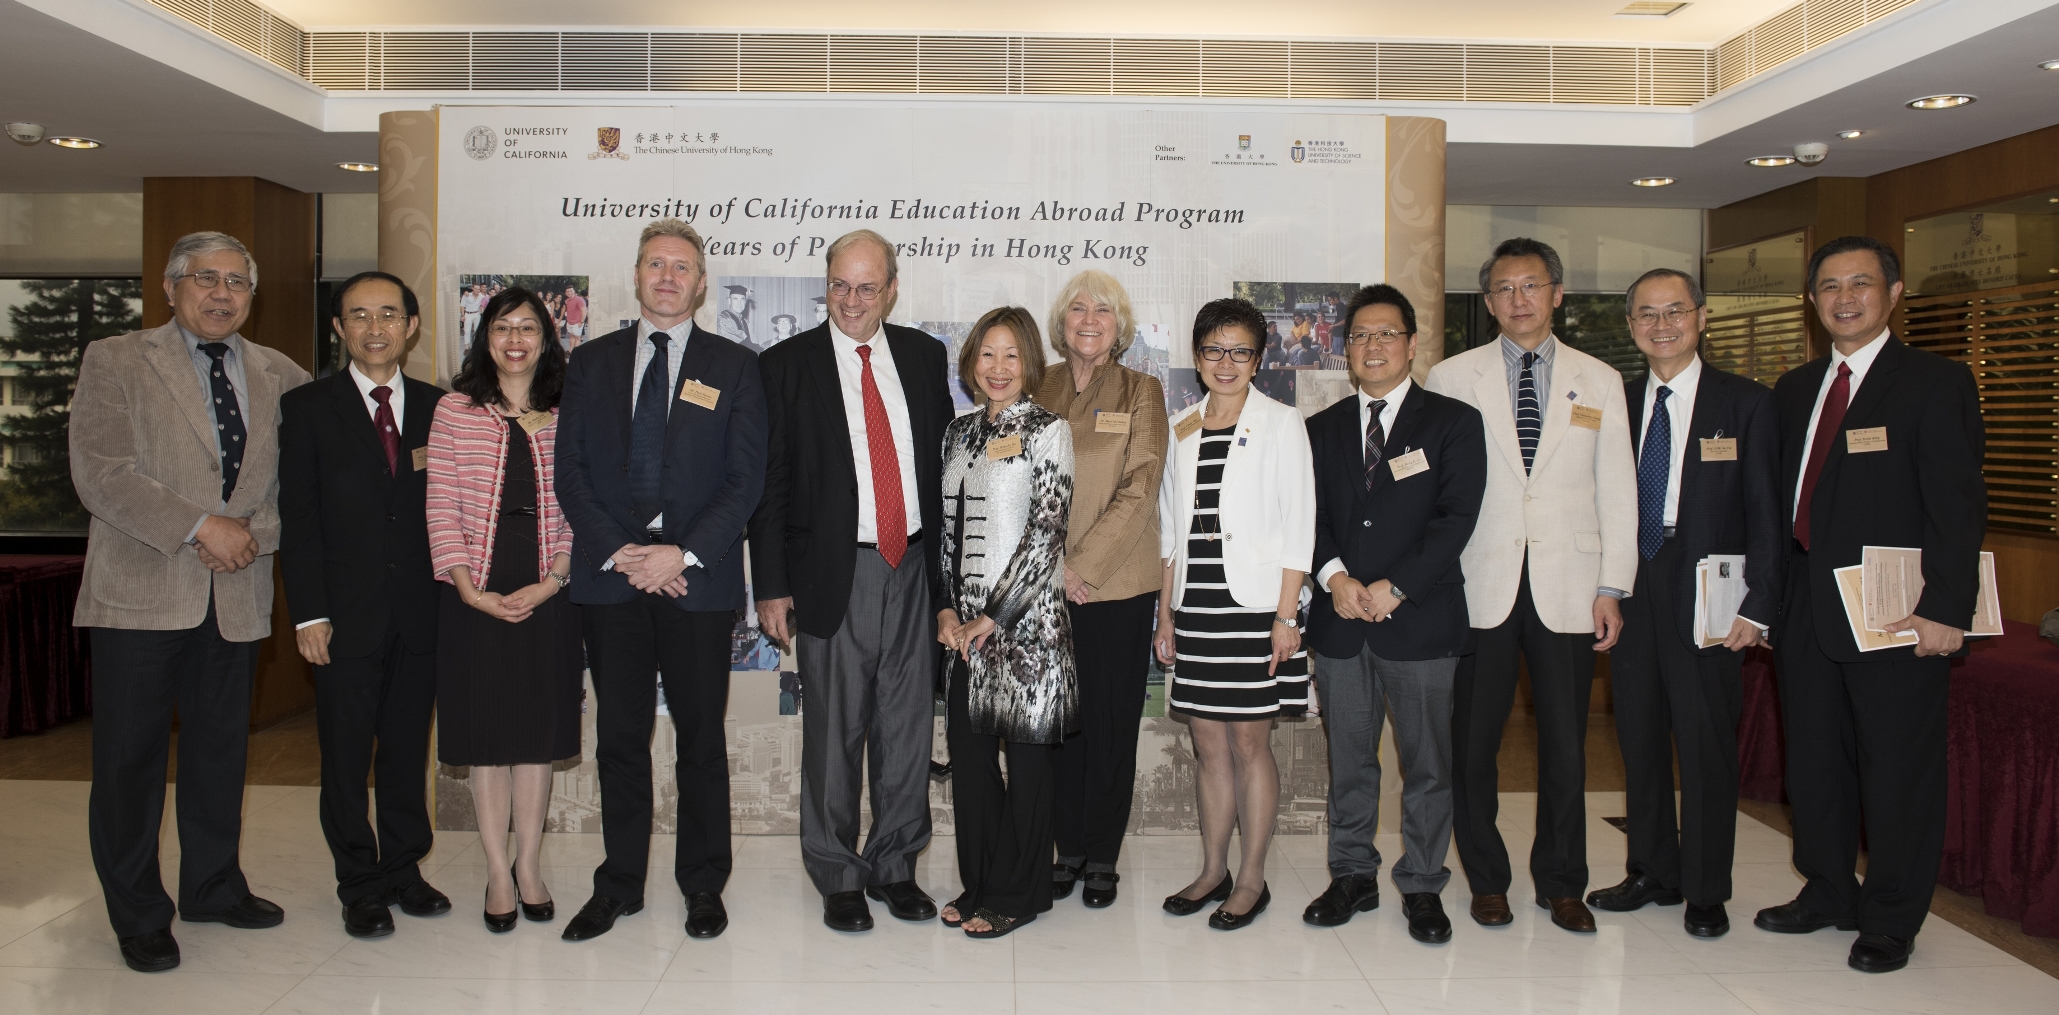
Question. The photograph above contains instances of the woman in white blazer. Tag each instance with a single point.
(1236, 511)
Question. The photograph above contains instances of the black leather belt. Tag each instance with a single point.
(913, 538)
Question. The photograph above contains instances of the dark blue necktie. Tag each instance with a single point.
(1654, 468)
(1529, 421)
(1376, 440)
(647, 431)
(228, 423)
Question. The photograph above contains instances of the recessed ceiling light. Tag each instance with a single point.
(359, 167)
(1847, 135)
(2049, 65)
(1653, 181)
(74, 142)
(1941, 101)
(1769, 161)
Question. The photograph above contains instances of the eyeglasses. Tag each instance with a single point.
(1528, 289)
(1387, 339)
(502, 329)
(1651, 318)
(210, 279)
(358, 320)
(1215, 354)
(867, 292)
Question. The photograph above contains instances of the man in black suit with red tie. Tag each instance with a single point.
(354, 546)
(1708, 460)
(1881, 445)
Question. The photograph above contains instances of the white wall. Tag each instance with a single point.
(1604, 249)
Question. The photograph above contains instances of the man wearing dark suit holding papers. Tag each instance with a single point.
(1881, 445)
(1708, 461)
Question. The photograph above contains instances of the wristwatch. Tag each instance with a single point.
(1395, 592)
(1291, 622)
(562, 579)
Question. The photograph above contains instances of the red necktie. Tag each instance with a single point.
(382, 421)
(890, 514)
(1827, 425)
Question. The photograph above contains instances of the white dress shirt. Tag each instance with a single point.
(850, 372)
(399, 403)
(675, 351)
(1860, 361)
(1679, 413)
(1365, 412)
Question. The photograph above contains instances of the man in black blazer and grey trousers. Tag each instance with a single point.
(1881, 445)
(1399, 475)
(844, 559)
(1708, 456)
(354, 546)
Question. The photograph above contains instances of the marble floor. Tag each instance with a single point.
(57, 953)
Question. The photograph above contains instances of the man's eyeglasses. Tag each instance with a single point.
(1387, 339)
(1528, 289)
(1652, 318)
(867, 292)
(1215, 354)
(210, 279)
(359, 320)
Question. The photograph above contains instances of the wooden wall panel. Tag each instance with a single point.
(2011, 167)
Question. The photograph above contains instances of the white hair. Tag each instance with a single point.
(194, 245)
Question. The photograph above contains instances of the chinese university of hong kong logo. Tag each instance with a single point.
(1243, 142)
(1298, 152)
(610, 141)
(479, 143)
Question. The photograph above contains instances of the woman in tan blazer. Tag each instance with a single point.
(1112, 570)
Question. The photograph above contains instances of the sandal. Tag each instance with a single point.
(957, 904)
(1001, 926)
(1063, 877)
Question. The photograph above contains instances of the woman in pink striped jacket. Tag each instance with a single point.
(508, 652)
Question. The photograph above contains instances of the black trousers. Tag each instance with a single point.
(1095, 772)
(1865, 742)
(372, 715)
(139, 677)
(1561, 678)
(1004, 828)
(1669, 696)
(630, 647)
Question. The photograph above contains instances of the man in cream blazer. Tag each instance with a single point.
(1555, 548)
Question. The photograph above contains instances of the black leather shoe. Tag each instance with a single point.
(598, 917)
(419, 899)
(1878, 953)
(251, 913)
(1348, 895)
(1795, 918)
(368, 917)
(1636, 892)
(1097, 889)
(500, 923)
(542, 912)
(1223, 919)
(1180, 905)
(1063, 877)
(1426, 920)
(905, 899)
(1707, 921)
(154, 952)
(705, 916)
(846, 911)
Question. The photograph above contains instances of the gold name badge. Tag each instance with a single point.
(691, 390)
(421, 459)
(1409, 464)
(534, 421)
(1719, 449)
(1111, 422)
(1187, 427)
(1586, 416)
(1003, 447)
(1872, 438)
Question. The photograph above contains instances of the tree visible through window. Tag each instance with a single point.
(49, 324)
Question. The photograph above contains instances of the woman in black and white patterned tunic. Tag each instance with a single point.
(1007, 492)
(1236, 516)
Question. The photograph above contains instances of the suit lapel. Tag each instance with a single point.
(1633, 402)
(1879, 377)
(421, 409)
(349, 404)
(620, 365)
(173, 362)
(1407, 419)
(693, 364)
(829, 391)
(1567, 381)
(1491, 395)
(1711, 408)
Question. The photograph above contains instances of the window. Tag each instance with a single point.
(45, 329)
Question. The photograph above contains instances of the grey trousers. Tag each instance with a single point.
(868, 708)
(1356, 695)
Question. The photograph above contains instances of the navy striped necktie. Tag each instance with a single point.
(1529, 421)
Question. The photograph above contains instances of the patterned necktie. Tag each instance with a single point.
(382, 420)
(1376, 440)
(647, 431)
(1529, 421)
(1827, 426)
(1654, 471)
(892, 516)
(228, 423)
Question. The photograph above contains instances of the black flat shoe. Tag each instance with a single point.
(1706, 921)
(1426, 920)
(543, 912)
(1795, 918)
(1879, 953)
(598, 917)
(846, 911)
(1180, 905)
(1635, 892)
(1348, 895)
(153, 952)
(705, 915)
(1223, 919)
(999, 926)
(419, 899)
(1097, 890)
(249, 913)
(1063, 877)
(368, 917)
(906, 900)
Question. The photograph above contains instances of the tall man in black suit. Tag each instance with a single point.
(844, 557)
(1881, 445)
(661, 460)
(1708, 460)
(355, 551)
(1399, 474)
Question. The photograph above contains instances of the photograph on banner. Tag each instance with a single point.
(1184, 387)
(761, 311)
(952, 334)
(564, 296)
(1304, 321)
(1151, 351)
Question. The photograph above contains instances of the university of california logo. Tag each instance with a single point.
(479, 144)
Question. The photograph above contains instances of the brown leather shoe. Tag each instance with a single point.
(1491, 910)
(1569, 912)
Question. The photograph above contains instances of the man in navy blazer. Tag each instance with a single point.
(1708, 462)
(661, 460)
(1399, 475)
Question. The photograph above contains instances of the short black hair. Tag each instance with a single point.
(1524, 246)
(407, 295)
(479, 380)
(1890, 265)
(1379, 295)
(1228, 312)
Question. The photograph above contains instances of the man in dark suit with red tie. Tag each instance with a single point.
(1881, 445)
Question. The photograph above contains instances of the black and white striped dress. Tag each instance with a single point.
(1223, 648)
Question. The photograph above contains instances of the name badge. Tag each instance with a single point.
(534, 421)
(1586, 416)
(1004, 447)
(1719, 449)
(1187, 427)
(1111, 422)
(691, 390)
(421, 459)
(1872, 438)
(1409, 464)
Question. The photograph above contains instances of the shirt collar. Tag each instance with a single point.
(680, 332)
(1392, 398)
(1861, 359)
(1682, 386)
(851, 344)
(1513, 353)
(193, 342)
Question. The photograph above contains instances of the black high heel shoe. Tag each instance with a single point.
(543, 913)
(1179, 905)
(1223, 920)
(501, 923)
